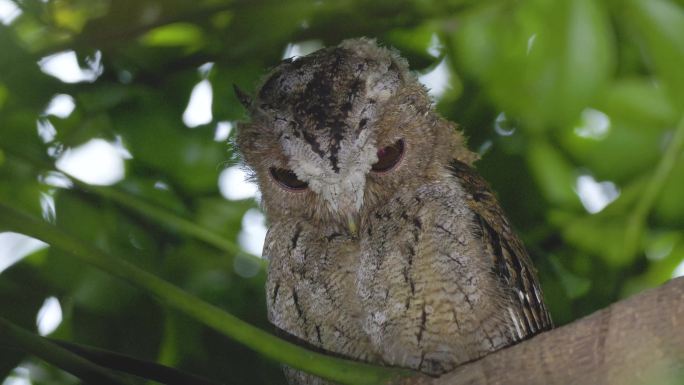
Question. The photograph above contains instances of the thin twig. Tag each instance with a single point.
(637, 220)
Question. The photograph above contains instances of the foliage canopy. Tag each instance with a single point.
(577, 107)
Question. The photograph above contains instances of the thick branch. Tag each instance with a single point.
(636, 341)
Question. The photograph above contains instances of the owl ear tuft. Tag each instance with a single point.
(243, 97)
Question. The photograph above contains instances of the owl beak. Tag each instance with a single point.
(352, 226)
(344, 195)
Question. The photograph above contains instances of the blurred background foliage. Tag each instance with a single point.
(576, 106)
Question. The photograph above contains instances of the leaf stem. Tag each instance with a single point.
(16, 337)
(164, 217)
(636, 221)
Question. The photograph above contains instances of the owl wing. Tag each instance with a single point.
(512, 264)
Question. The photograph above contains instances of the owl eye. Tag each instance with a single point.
(389, 157)
(287, 179)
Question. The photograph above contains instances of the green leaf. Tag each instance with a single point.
(625, 152)
(598, 236)
(670, 206)
(157, 139)
(542, 61)
(664, 251)
(19, 185)
(555, 176)
(414, 43)
(638, 100)
(3, 95)
(575, 286)
(172, 35)
(661, 24)
(103, 97)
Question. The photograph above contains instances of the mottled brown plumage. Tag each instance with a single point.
(385, 245)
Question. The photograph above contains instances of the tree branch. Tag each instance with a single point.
(639, 340)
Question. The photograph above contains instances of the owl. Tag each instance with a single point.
(385, 245)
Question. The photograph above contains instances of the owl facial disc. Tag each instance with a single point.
(323, 108)
(343, 188)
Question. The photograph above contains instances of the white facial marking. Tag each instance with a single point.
(343, 190)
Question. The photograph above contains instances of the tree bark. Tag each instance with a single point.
(639, 340)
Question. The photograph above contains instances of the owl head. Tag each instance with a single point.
(342, 130)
